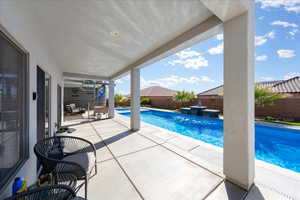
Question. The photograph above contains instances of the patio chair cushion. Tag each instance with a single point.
(85, 160)
(54, 153)
(74, 108)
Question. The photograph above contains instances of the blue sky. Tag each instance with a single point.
(200, 67)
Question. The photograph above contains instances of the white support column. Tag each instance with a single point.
(239, 154)
(135, 99)
(111, 99)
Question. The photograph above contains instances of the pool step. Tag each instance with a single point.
(200, 111)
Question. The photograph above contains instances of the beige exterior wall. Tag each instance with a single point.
(37, 56)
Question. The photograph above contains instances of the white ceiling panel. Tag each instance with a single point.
(102, 37)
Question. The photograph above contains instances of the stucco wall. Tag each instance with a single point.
(163, 102)
(212, 102)
(288, 108)
(285, 108)
(23, 32)
(169, 103)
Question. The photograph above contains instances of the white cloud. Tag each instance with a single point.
(287, 25)
(119, 91)
(216, 50)
(220, 36)
(288, 5)
(270, 35)
(191, 63)
(286, 53)
(267, 78)
(293, 9)
(260, 40)
(122, 79)
(291, 75)
(174, 80)
(261, 17)
(293, 32)
(261, 58)
(206, 79)
(188, 53)
(284, 24)
(119, 81)
(196, 63)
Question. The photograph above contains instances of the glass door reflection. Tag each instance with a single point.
(47, 105)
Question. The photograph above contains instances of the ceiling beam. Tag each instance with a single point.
(227, 9)
(84, 76)
(200, 32)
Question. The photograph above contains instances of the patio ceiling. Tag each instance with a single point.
(105, 39)
(101, 38)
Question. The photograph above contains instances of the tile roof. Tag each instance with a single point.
(157, 91)
(214, 91)
(279, 86)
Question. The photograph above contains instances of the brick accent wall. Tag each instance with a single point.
(287, 108)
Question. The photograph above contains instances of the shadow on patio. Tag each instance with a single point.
(132, 166)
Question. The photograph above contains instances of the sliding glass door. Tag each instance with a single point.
(13, 109)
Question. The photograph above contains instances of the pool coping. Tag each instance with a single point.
(220, 149)
(276, 125)
(257, 122)
(290, 177)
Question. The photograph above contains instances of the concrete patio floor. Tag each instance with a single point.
(154, 163)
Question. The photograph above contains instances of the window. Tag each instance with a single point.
(13, 109)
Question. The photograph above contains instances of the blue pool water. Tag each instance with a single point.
(122, 109)
(277, 146)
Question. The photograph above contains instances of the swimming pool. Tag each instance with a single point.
(277, 146)
(122, 109)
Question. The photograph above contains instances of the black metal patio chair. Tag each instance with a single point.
(67, 155)
(49, 192)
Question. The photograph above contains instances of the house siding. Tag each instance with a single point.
(38, 56)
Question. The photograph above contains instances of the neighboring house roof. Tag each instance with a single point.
(214, 91)
(269, 84)
(280, 86)
(157, 91)
(288, 86)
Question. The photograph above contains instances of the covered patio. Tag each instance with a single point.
(154, 163)
(104, 40)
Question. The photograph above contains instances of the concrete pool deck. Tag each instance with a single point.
(155, 163)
